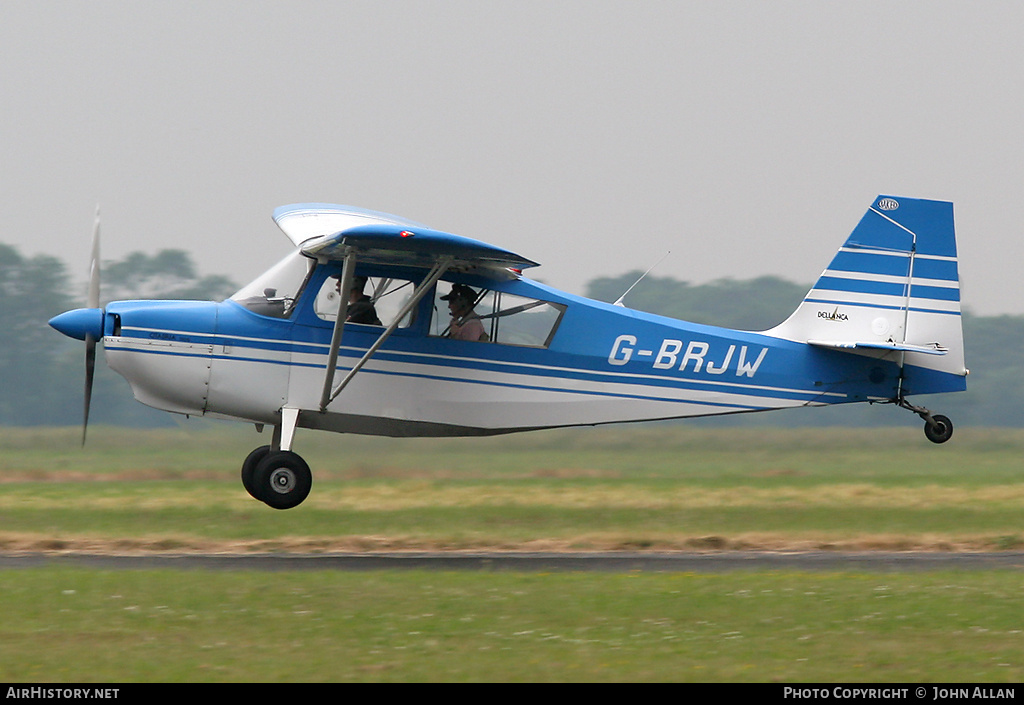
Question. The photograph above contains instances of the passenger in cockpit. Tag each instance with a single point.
(466, 324)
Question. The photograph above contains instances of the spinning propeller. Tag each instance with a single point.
(93, 302)
(87, 323)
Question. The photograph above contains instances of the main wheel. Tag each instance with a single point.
(940, 430)
(249, 469)
(282, 480)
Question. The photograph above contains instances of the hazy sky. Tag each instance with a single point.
(593, 137)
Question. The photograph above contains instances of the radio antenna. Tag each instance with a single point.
(618, 302)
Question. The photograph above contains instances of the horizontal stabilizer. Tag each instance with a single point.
(933, 349)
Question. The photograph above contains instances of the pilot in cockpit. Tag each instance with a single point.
(360, 305)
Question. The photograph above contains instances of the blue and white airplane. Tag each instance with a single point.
(442, 335)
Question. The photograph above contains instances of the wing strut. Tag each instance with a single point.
(330, 395)
(347, 270)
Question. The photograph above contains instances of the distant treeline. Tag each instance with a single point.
(43, 372)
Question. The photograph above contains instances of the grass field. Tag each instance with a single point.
(661, 487)
(665, 487)
(185, 626)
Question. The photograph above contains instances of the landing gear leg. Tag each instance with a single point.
(937, 428)
(274, 474)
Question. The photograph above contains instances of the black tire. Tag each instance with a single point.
(940, 431)
(249, 469)
(282, 480)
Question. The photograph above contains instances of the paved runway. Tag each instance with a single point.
(607, 562)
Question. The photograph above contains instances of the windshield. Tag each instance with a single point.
(274, 292)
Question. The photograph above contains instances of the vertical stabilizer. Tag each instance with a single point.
(893, 290)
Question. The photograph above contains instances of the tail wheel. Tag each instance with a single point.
(939, 429)
(282, 480)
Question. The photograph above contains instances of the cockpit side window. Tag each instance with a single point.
(374, 301)
(275, 292)
(467, 313)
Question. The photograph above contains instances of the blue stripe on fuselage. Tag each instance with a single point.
(750, 364)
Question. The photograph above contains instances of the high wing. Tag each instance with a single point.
(334, 232)
(304, 221)
(416, 247)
